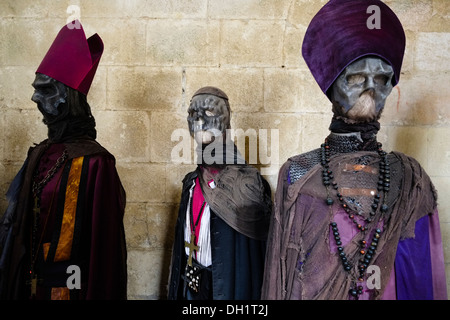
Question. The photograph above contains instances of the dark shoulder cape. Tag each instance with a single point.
(102, 203)
(237, 259)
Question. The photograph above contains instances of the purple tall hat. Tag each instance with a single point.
(339, 34)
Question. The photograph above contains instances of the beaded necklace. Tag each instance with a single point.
(366, 252)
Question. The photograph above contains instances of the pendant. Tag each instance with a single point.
(33, 286)
(33, 282)
(192, 247)
(192, 272)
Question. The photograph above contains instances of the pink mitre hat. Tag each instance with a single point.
(72, 59)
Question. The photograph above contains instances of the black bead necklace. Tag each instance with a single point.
(367, 253)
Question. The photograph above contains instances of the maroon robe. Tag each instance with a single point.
(80, 224)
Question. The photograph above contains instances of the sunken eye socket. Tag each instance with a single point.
(381, 79)
(193, 113)
(356, 79)
(45, 90)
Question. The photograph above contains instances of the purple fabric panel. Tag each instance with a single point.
(413, 267)
(437, 259)
(348, 231)
(390, 293)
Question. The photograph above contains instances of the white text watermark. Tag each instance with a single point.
(262, 147)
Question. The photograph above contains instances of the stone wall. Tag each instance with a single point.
(157, 53)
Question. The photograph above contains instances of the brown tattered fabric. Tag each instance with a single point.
(241, 199)
(298, 255)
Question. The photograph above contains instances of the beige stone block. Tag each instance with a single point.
(110, 8)
(136, 225)
(409, 55)
(143, 9)
(4, 184)
(161, 224)
(8, 171)
(15, 87)
(170, 138)
(432, 51)
(97, 93)
(445, 232)
(254, 43)
(285, 142)
(2, 139)
(125, 134)
(143, 182)
(438, 152)
(22, 129)
(26, 41)
(292, 48)
(411, 141)
(150, 226)
(123, 39)
(413, 14)
(148, 273)
(34, 9)
(182, 42)
(447, 271)
(440, 19)
(244, 87)
(396, 109)
(107, 8)
(249, 9)
(174, 8)
(301, 12)
(419, 99)
(315, 130)
(287, 90)
(143, 88)
(383, 136)
(174, 180)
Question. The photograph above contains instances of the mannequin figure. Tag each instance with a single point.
(222, 225)
(350, 220)
(62, 236)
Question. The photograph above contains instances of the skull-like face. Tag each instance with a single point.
(48, 94)
(208, 118)
(360, 91)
